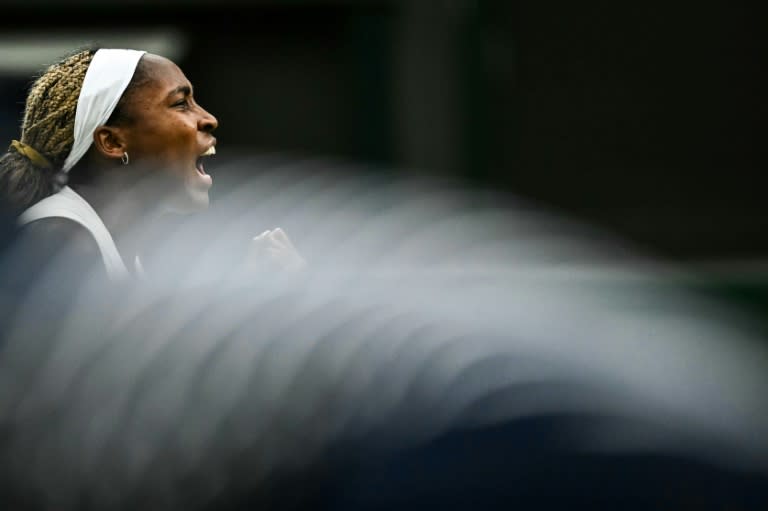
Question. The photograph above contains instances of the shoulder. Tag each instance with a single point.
(40, 243)
(56, 233)
(42, 264)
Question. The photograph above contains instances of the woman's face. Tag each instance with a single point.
(169, 133)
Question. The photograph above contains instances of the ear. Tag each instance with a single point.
(109, 141)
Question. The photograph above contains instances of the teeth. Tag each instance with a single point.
(210, 152)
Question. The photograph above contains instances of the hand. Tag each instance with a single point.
(275, 248)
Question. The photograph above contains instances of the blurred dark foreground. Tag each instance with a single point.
(439, 351)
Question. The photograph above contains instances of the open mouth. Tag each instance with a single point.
(199, 164)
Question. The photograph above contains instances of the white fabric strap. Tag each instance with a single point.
(69, 204)
(107, 77)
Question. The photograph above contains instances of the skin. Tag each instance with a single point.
(166, 132)
(165, 135)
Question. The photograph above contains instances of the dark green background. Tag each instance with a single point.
(645, 118)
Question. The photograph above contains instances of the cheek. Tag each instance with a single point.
(181, 131)
(182, 142)
(171, 145)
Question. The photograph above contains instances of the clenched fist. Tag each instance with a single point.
(273, 247)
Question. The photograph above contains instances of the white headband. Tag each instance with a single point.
(108, 75)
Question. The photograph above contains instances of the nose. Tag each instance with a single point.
(207, 121)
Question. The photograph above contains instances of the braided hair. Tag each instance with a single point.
(48, 127)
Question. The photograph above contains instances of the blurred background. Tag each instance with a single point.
(643, 118)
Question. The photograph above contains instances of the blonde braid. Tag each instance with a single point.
(47, 129)
(49, 116)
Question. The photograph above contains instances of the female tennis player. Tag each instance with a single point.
(109, 135)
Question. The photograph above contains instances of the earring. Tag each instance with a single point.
(124, 159)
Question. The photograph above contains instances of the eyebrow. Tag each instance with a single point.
(183, 89)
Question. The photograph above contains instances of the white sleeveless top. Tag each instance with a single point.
(68, 204)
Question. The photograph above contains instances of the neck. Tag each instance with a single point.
(125, 208)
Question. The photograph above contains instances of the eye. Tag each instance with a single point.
(183, 103)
